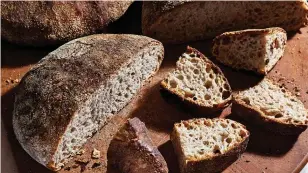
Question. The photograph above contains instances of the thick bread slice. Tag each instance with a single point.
(257, 50)
(40, 23)
(271, 107)
(198, 82)
(208, 145)
(133, 151)
(71, 93)
(176, 22)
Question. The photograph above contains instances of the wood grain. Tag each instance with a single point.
(266, 152)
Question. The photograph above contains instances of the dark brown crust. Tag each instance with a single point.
(152, 14)
(49, 95)
(234, 34)
(45, 23)
(133, 151)
(192, 106)
(217, 163)
(256, 117)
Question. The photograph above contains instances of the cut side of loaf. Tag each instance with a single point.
(198, 82)
(256, 50)
(74, 91)
(271, 107)
(198, 20)
(133, 151)
(208, 145)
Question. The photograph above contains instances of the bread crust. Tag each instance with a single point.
(41, 23)
(217, 163)
(152, 14)
(252, 33)
(133, 151)
(193, 106)
(257, 117)
(50, 94)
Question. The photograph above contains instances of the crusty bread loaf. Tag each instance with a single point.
(208, 145)
(271, 107)
(133, 151)
(198, 82)
(257, 50)
(176, 22)
(72, 92)
(40, 23)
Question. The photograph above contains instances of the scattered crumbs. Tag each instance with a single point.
(82, 161)
(296, 89)
(16, 80)
(67, 168)
(80, 152)
(75, 166)
(7, 81)
(96, 154)
(247, 161)
(96, 164)
(298, 94)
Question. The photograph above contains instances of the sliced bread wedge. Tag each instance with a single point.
(183, 21)
(133, 151)
(208, 145)
(198, 82)
(76, 89)
(256, 50)
(272, 108)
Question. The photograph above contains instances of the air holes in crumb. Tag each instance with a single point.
(208, 84)
(207, 97)
(211, 76)
(215, 139)
(229, 140)
(189, 94)
(242, 133)
(201, 151)
(206, 143)
(216, 150)
(133, 73)
(216, 80)
(207, 123)
(266, 61)
(278, 115)
(220, 89)
(226, 86)
(208, 68)
(194, 98)
(126, 95)
(246, 100)
(173, 84)
(223, 125)
(233, 126)
(191, 135)
(194, 61)
(73, 140)
(196, 71)
(180, 77)
(226, 94)
(73, 129)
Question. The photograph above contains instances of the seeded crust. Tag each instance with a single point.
(227, 50)
(197, 106)
(40, 23)
(255, 116)
(202, 20)
(133, 151)
(215, 162)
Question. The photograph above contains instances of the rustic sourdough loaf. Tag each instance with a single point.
(198, 82)
(72, 92)
(271, 107)
(208, 145)
(176, 22)
(133, 151)
(42, 23)
(257, 50)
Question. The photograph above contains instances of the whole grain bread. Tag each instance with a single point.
(133, 151)
(271, 107)
(176, 22)
(208, 145)
(257, 50)
(74, 91)
(39, 23)
(199, 83)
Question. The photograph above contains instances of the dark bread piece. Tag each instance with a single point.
(208, 145)
(208, 90)
(61, 102)
(177, 22)
(40, 23)
(271, 107)
(133, 151)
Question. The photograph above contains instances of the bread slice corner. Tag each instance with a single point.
(198, 83)
(208, 144)
(271, 107)
(255, 50)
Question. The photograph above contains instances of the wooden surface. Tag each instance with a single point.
(266, 152)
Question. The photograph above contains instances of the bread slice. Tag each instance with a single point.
(271, 107)
(208, 145)
(198, 82)
(198, 20)
(133, 151)
(257, 50)
(74, 91)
